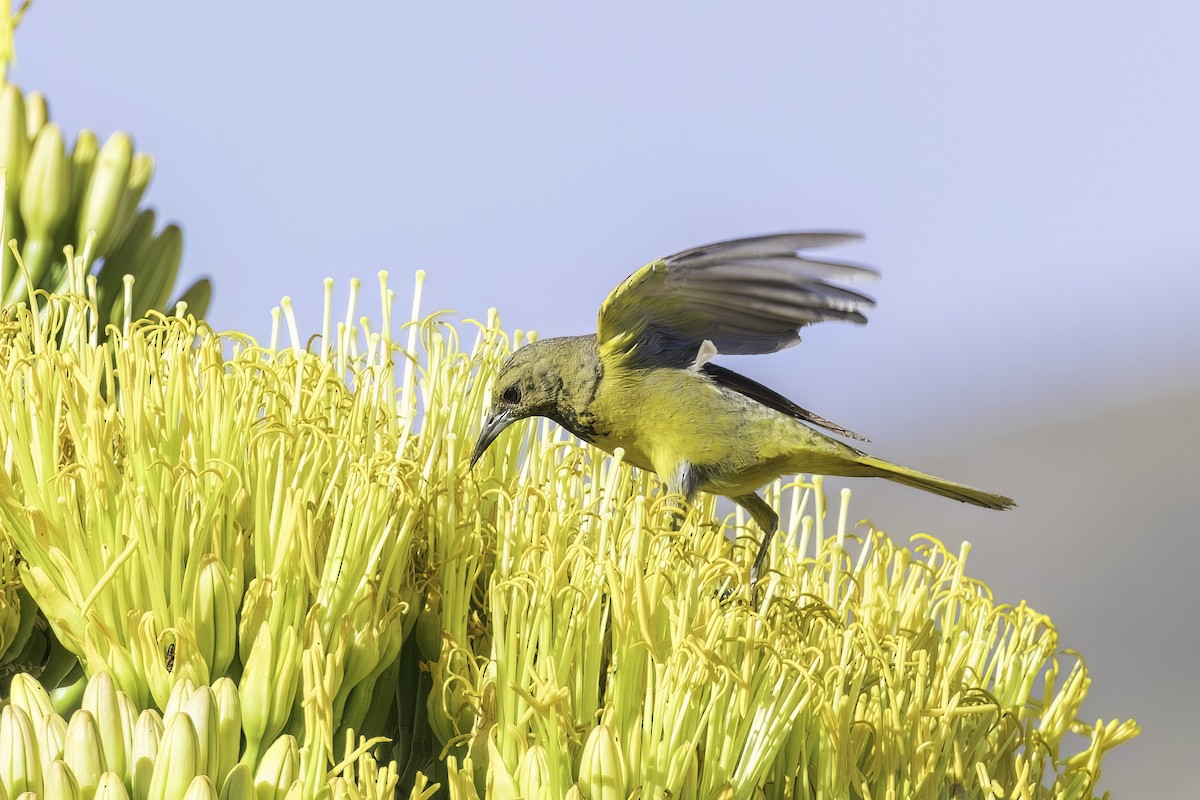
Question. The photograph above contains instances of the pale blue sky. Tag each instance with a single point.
(1028, 175)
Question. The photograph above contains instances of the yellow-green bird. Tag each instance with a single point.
(645, 381)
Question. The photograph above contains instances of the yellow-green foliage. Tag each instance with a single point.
(300, 519)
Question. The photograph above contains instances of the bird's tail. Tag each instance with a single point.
(930, 483)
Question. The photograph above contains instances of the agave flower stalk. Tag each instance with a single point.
(223, 515)
(864, 668)
(584, 634)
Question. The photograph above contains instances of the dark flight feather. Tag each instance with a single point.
(772, 399)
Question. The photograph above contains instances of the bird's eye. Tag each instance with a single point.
(511, 395)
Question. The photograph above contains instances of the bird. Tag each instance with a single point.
(646, 382)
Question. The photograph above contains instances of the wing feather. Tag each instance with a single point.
(773, 244)
(744, 295)
(773, 399)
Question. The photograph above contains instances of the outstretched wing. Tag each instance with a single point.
(744, 295)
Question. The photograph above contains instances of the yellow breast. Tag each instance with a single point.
(663, 417)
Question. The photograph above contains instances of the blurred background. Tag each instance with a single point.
(1028, 175)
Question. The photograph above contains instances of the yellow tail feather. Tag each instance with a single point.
(931, 483)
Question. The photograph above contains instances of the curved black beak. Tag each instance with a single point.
(493, 426)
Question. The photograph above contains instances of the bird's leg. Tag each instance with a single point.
(684, 480)
(767, 519)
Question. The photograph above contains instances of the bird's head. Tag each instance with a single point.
(529, 384)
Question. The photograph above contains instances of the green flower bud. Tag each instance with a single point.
(83, 751)
(83, 162)
(268, 688)
(20, 768)
(61, 784)
(44, 202)
(51, 732)
(201, 788)
(14, 143)
(214, 609)
(152, 658)
(601, 771)
(229, 725)
(111, 788)
(278, 770)
(128, 716)
(180, 693)
(178, 759)
(147, 735)
(30, 696)
(255, 692)
(533, 772)
(256, 603)
(114, 723)
(201, 706)
(102, 197)
(141, 170)
(37, 114)
(239, 783)
(14, 155)
(46, 192)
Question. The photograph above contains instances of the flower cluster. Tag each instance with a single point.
(292, 531)
(58, 203)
